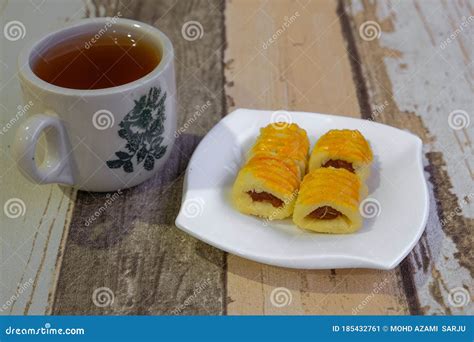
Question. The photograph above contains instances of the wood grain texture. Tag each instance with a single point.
(306, 67)
(29, 243)
(303, 55)
(134, 248)
(416, 78)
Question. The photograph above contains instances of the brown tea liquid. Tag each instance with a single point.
(112, 60)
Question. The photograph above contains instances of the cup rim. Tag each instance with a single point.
(167, 57)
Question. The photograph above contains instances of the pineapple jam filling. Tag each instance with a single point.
(265, 197)
(324, 213)
(339, 164)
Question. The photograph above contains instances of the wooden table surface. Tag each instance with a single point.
(403, 63)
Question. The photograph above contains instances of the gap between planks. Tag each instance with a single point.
(306, 68)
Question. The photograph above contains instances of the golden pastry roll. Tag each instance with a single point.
(284, 140)
(347, 149)
(268, 183)
(328, 201)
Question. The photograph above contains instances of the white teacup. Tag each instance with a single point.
(91, 139)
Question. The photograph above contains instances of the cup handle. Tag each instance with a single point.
(56, 167)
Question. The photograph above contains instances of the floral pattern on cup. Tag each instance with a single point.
(143, 128)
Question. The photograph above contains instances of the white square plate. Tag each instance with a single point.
(396, 209)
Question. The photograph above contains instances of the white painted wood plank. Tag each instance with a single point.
(29, 243)
(428, 57)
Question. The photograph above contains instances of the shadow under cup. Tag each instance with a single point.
(109, 114)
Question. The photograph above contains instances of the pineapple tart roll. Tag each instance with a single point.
(346, 149)
(268, 183)
(328, 201)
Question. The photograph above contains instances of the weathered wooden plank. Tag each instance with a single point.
(394, 75)
(133, 252)
(29, 243)
(305, 67)
(418, 72)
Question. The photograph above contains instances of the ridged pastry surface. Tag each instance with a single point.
(345, 145)
(330, 188)
(330, 184)
(275, 166)
(275, 174)
(285, 141)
